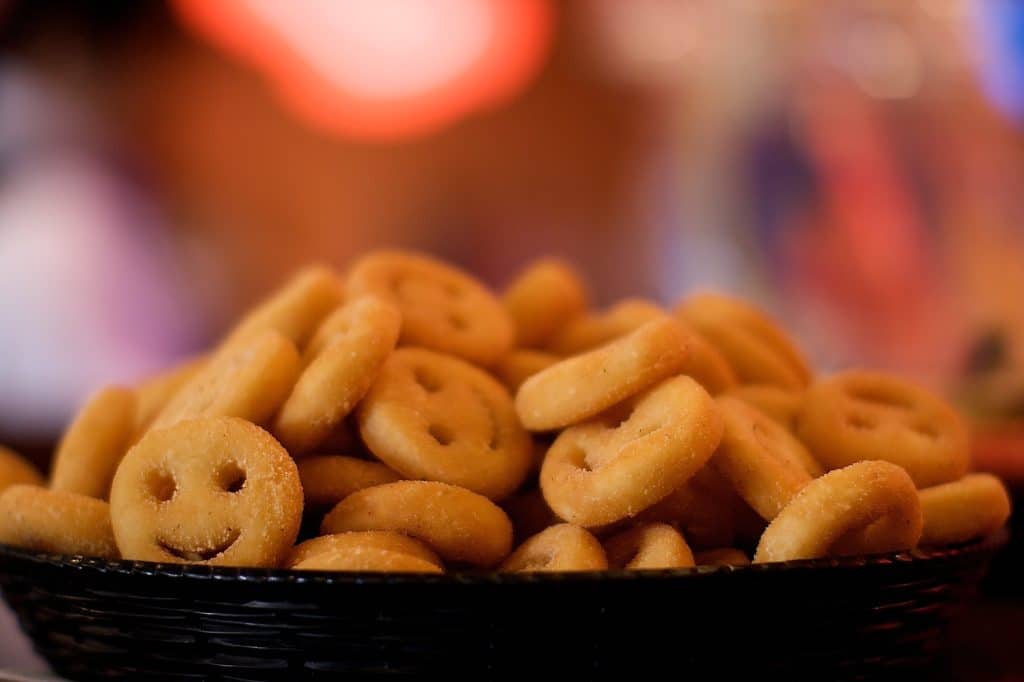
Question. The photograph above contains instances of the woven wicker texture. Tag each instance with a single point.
(864, 618)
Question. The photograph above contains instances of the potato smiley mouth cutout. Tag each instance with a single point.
(201, 553)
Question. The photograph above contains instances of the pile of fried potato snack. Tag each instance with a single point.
(402, 418)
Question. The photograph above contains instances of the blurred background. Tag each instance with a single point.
(853, 165)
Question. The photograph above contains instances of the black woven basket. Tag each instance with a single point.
(860, 618)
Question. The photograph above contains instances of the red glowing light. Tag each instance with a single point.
(383, 68)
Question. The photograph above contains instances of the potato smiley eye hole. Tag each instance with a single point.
(442, 434)
(161, 485)
(925, 430)
(586, 463)
(860, 422)
(231, 478)
(458, 322)
(429, 382)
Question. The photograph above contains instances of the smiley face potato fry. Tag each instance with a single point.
(219, 491)
(400, 417)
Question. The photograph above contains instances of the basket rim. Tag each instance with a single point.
(975, 549)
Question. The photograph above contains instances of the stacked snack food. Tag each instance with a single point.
(428, 425)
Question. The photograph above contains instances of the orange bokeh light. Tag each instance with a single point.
(384, 69)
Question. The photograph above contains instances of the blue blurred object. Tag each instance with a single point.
(1000, 27)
